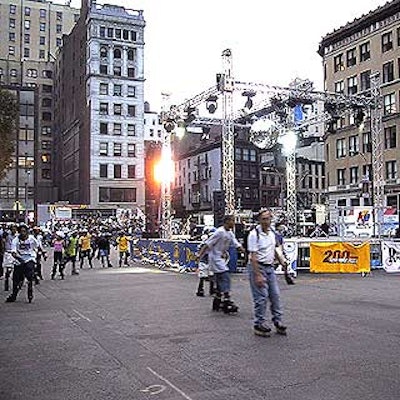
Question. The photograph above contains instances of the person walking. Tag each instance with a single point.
(71, 251)
(263, 249)
(217, 247)
(85, 248)
(58, 259)
(123, 248)
(103, 245)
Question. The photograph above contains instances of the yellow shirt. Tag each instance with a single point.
(122, 243)
(84, 242)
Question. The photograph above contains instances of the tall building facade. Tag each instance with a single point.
(32, 30)
(350, 54)
(100, 109)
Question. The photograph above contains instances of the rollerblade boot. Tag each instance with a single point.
(229, 307)
(216, 306)
(11, 298)
(280, 328)
(200, 293)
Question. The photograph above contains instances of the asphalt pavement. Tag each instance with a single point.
(140, 333)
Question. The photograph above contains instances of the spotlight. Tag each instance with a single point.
(249, 94)
(211, 104)
(190, 115)
(169, 125)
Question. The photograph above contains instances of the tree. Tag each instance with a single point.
(8, 118)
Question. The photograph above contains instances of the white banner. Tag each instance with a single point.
(391, 256)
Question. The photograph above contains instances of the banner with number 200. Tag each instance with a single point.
(334, 257)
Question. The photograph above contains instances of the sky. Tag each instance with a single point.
(272, 42)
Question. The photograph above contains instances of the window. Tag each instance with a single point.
(46, 73)
(387, 42)
(131, 91)
(339, 87)
(252, 155)
(58, 42)
(131, 130)
(103, 151)
(131, 111)
(391, 170)
(131, 72)
(13, 9)
(46, 116)
(41, 54)
(388, 72)
(27, 38)
(351, 58)
(340, 148)
(12, 23)
(117, 109)
(27, 52)
(117, 195)
(398, 36)
(103, 170)
(341, 177)
(42, 40)
(367, 171)
(31, 73)
(133, 36)
(117, 90)
(27, 24)
(131, 171)
(46, 102)
(352, 85)
(11, 36)
(390, 137)
(102, 32)
(42, 13)
(45, 158)
(338, 63)
(46, 130)
(126, 34)
(47, 88)
(46, 173)
(11, 51)
(59, 16)
(42, 27)
(354, 145)
(103, 69)
(117, 129)
(117, 171)
(365, 80)
(367, 142)
(103, 128)
(103, 109)
(110, 32)
(117, 149)
(117, 53)
(103, 88)
(58, 28)
(118, 33)
(103, 52)
(117, 70)
(389, 104)
(26, 134)
(365, 53)
(46, 144)
(354, 175)
(27, 11)
(131, 150)
(131, 54)
(13, 72)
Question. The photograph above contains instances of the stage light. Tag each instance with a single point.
(249, 94)
(211, 104)
(169, 125)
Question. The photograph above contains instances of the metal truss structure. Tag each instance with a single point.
(276, 104)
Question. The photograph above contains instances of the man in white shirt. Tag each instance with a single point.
(262, 247)
(217, 247)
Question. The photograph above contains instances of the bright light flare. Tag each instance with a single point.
(164, 169)
(288, 141)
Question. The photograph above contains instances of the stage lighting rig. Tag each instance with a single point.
(211, 104)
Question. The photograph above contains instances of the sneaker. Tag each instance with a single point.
(200, 293)
(280, 328)
(262, 330)
(11, 299)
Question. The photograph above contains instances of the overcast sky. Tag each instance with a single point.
(271, 41)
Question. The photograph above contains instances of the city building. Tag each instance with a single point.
(153, 127)
(100, 109)
(350, 55)
(31, 32)
(17, 188)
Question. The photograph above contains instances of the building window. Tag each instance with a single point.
(340, 148)
(365, 80)
(46, 130)
(58, 42)
(252, 155)
(11, 50)
(46, 116)
(365, 53)
(103, 52)
(131, 54)
(339, 87)
(104, 88)
(352, 85)
(367, 142)
(11, 37)
(102, 32)
(351, 58)
(42, 54)
(103, 170)
(117, 129)
(354, 145)
(388, 72)
(27, 24)
(131, 72)
(118, 33)
(13, 73)
(117, 149)
(103, 109)
(117, 70)
(131, 91)
(398, 37)
(117, 171)
(31, 73)
(390, 137)
(103, 151)
(42, 13)
(341, 177)
(389, 104)
(59, 28)
(391, 170)
(46, 102)
(117, 53)
(110, 32)
(42, 40)
(354, 175)
(103, 69)
(47, 88)
(387, 42)
(117, 195)
(26, 134)
(27, 11)
(126, 34)
(59, 16)
(131, 111)
(45, 158)
(117, 109)
(46, 173)
(131, 171)
(26, 52)
(117, 90)
(131, 150)
(13, 9)
(133, 36)
(27, 38)
(131, 130)
(42, 27)
(46, 144)
(338, 63)
(103, 128)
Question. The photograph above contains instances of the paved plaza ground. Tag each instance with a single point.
(139, 333)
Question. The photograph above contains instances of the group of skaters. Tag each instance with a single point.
(23, 249)
(264, 249)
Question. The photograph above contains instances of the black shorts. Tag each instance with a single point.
(86, 253)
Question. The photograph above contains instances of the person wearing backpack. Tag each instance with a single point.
(263, 250)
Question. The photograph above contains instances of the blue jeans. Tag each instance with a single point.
(223, 281)
(270, 290)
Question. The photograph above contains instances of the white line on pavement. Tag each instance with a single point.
(81, 315)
